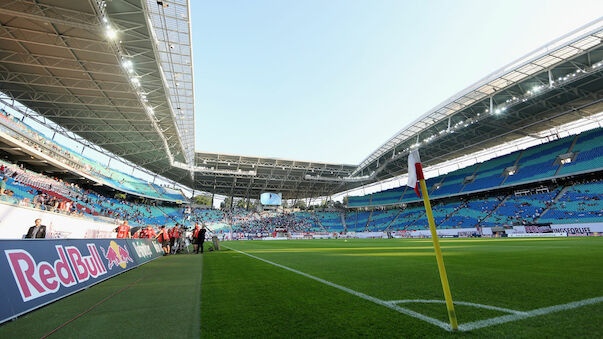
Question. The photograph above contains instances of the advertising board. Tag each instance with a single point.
(38, 272)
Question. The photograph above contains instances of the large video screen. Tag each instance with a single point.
(271, 199)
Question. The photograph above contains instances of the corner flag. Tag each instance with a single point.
(413, 160)
(415, 173)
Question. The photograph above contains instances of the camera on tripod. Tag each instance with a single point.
(181, 242)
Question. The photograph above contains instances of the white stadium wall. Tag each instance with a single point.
(16, 220)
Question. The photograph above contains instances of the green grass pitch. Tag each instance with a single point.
(529, 287)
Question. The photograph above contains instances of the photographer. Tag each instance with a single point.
(180, 240)
(174, 235)
(164, 239)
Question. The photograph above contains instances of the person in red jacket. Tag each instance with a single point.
(197, 235)
(164, 239)
(148, 233)
(174, 233)
(123, 231)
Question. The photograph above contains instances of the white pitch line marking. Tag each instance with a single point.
(425, 301)
(462, 327)
(529, 314)
(356, 293)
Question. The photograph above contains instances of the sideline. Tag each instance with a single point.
(356, 293)
(516, 315)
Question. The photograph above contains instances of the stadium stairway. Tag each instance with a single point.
(368, 220)
(554, 201)
(420, 216)
(582, 202)
(392, 221)
(167, 216)
(350, 220)
(345, 226)
(323, 228)
(501, 203)
(450, 215)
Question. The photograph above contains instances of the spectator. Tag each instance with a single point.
(38, 231)
(3, 185)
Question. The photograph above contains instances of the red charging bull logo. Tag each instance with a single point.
(117, 255)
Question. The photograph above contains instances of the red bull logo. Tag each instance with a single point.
(36, 279)
(117, 255)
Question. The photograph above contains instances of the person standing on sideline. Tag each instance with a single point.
(148, 233)
(196, 240)
(123, 231)
(38, 231)
(164, 239)
(202, 237)
(174, 233)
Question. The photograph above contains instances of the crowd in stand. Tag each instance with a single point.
(288, 221)
(582, 200)
(42, 144)
(26, 188)
(22, 187)
(55, 195)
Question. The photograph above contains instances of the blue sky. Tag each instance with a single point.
(332, 80)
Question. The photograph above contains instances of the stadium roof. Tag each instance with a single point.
(105, 71)
(119, 74)
(246, 176)
(555, 84)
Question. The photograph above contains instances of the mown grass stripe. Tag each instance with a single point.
(197, 328)
(356, 293)
(92, 307)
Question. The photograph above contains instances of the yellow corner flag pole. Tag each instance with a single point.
(438, 251)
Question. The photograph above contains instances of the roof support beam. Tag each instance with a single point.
(54, 14)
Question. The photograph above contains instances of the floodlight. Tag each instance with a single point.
(135, 81)
(111, 33)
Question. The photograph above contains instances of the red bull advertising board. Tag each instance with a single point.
(38, 272)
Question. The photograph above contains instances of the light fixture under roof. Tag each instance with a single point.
(111, 33)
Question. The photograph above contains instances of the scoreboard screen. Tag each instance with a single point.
(271, 199)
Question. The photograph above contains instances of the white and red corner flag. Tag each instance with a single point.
(415, 171)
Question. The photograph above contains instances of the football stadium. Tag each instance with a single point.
(481, 217)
